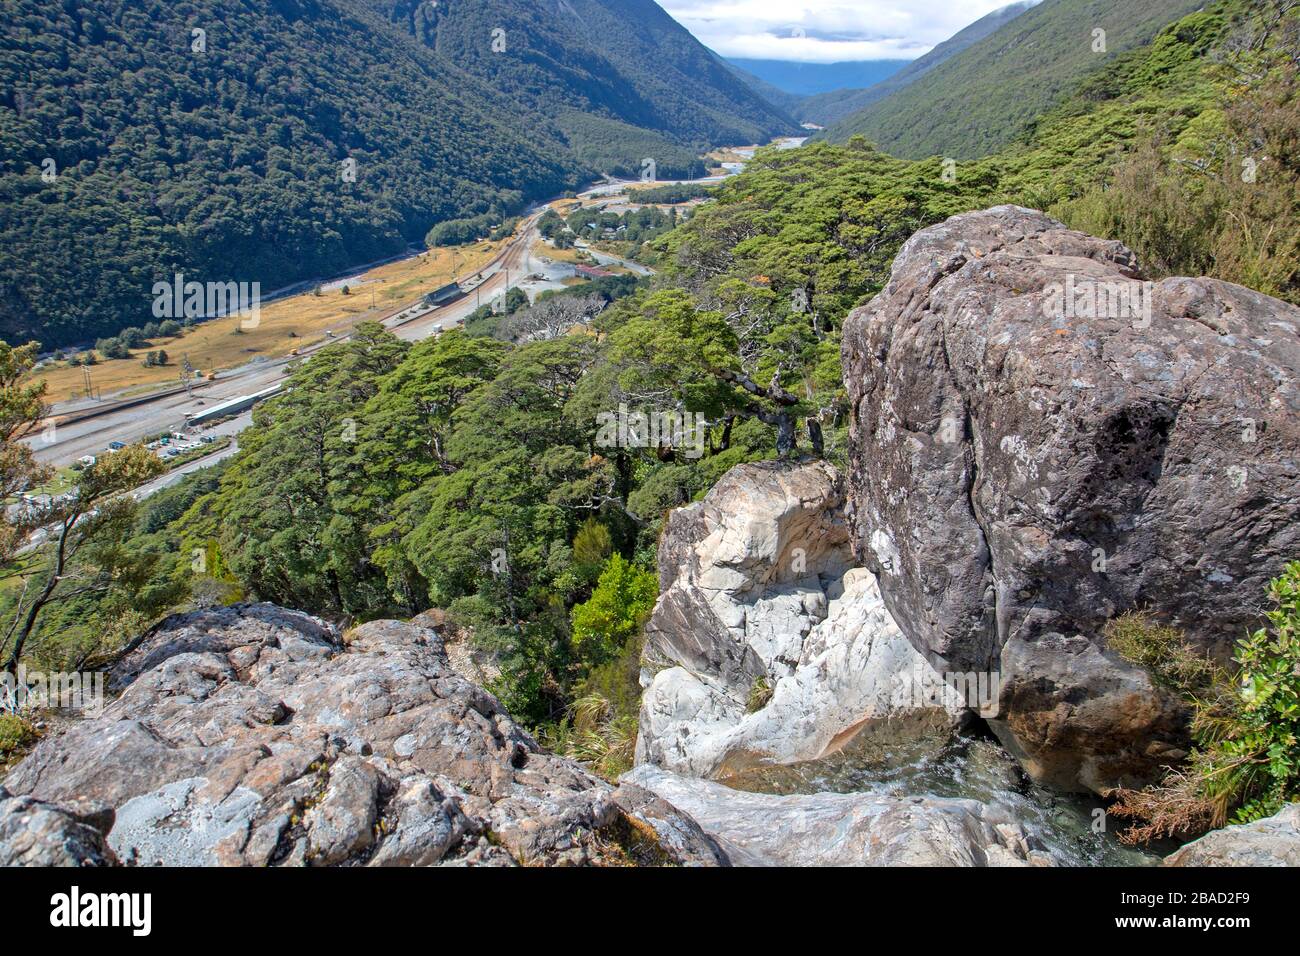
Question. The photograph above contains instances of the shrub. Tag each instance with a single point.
(1257, 750)
(620, 603)
(600, 727)
(591, 546)
(112, 348)
(1161, 650)
(617, 681)
(169, 327)
(594, 735)
(1246, 726)
(760, 692)
(16, 736)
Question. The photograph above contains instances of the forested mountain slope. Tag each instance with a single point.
(225, 162)
(825, 109)
(986, 96)
(592, 68)
(133, 147)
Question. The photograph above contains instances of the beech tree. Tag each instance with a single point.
(22, 407)
(95, 511)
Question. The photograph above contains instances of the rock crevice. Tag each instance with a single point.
(761, 571)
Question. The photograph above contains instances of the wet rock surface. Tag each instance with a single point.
(847, 829)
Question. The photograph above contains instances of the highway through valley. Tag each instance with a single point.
(87, 428)
(75, 430)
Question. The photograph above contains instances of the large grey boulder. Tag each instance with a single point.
(1273, 841)
(1033, 453)
(257, 736)
(847, 829)
(757, 589)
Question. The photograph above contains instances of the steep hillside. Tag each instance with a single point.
(223, 158)
(828, 108)
(988, 95)
(590, 69)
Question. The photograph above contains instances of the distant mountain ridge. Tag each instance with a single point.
(814, 79)
(788, 103)
(989, 94)
(827, 108)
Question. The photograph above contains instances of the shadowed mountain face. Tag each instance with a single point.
(989, 94)
(592, 70)
(139, 139)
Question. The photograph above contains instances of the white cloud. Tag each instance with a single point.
(826, 31)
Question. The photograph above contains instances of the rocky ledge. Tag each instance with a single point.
(1273, 841)
(847, 829)
(253, 736)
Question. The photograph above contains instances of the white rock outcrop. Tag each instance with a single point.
(758, 593)
(1272, 841)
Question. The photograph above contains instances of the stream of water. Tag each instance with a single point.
(968, 765)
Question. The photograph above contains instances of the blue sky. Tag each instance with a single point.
(826, 31)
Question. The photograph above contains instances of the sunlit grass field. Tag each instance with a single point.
(284, 325)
